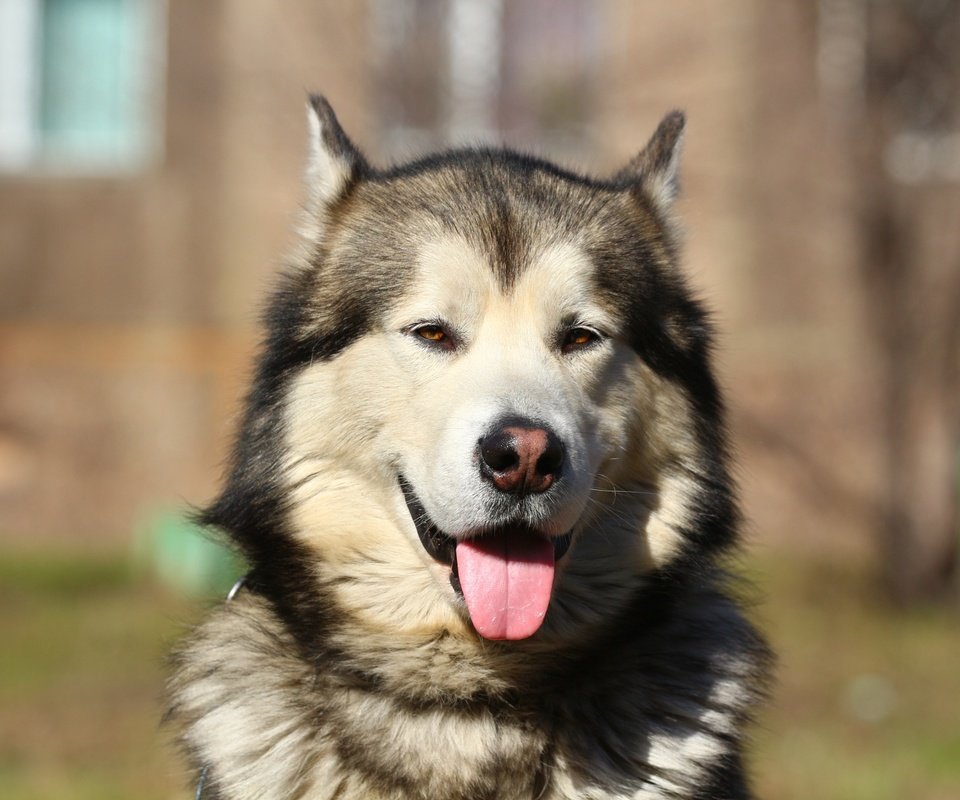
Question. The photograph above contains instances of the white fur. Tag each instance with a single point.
(388, 405)
(663, 185)
(326, 173)
(509, 366)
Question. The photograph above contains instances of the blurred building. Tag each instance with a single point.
(150, 155)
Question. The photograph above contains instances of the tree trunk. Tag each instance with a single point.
(911, 277)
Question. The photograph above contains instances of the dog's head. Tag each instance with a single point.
(485, 399)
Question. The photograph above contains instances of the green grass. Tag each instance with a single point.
(81, 674)
(868, 702)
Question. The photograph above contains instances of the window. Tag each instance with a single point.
(80, 84)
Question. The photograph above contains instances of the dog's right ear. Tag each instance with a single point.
(655, 170)
(333, 162)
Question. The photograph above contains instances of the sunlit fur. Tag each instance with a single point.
(349, 668)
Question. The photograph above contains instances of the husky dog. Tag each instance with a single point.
(483, 486)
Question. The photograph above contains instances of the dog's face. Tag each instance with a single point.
(481, 423)
(506, 418)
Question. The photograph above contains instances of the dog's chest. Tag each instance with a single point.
(385, 749)
(390, 748)
(267, 724)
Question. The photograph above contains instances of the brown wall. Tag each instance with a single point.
(128, 305)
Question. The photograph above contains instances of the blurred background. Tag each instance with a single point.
(150, 156)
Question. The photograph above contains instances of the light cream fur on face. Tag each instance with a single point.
(389, 405)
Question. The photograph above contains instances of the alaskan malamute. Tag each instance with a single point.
(483, 486)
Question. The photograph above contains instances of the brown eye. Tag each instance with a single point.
(434, 335)
(578, 339)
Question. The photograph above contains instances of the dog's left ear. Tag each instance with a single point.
(656, 169)
(333, 162)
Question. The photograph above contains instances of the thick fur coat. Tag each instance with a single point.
(482, 482)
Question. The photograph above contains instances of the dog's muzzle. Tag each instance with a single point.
(504, 573)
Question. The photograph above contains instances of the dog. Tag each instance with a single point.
(484, 489)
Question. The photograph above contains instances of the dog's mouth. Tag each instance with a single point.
(504, 573)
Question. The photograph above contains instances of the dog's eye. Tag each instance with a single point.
(578, 339)
(434, 335)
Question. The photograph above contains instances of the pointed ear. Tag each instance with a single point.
(656, 168)
(333, 162)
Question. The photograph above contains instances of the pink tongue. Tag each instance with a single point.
(506, 578)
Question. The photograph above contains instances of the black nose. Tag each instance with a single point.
(521, 458)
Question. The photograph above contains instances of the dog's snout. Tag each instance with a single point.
(521, 458)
